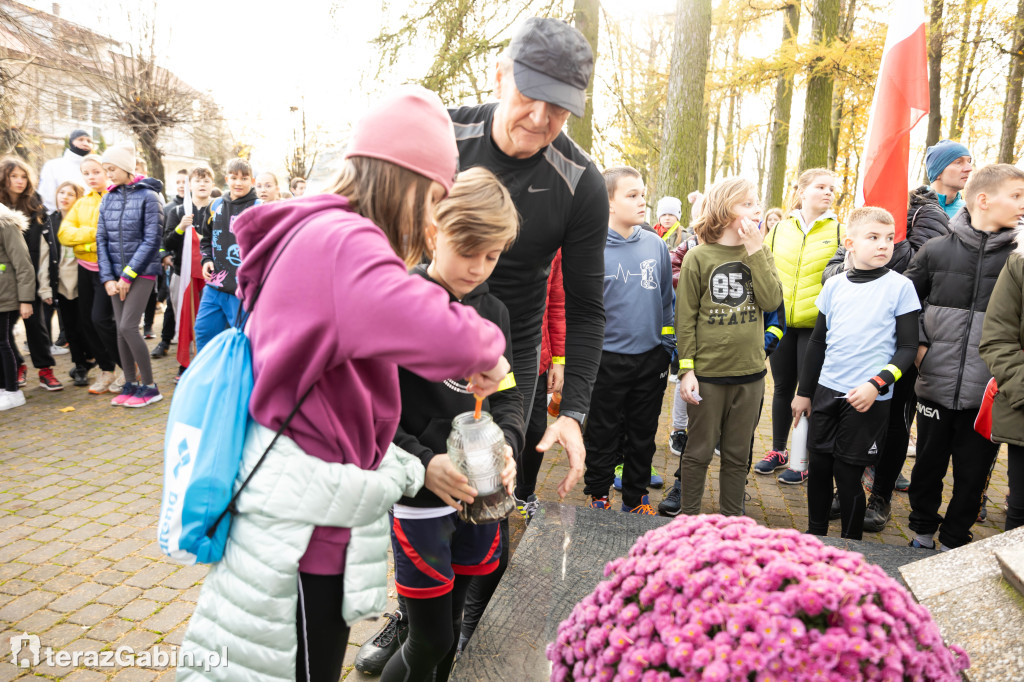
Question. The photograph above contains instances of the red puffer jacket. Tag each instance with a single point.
(553, 341)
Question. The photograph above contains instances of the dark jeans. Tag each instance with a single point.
(530, 460)
(1015, 476)
(786, 362)
(897, 437)
(8, 358)
(168, 329)
(73, 332)
(39, 341)
(944, 434)
(630, 389)
(322, 632)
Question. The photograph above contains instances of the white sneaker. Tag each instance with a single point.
(102, 384)
(57, 350)
(11, 399)
(117, 384)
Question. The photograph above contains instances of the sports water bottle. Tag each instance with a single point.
(798, 451)
(477, 450)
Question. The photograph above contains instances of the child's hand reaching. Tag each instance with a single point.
(750, 236)
(801, 408)
(862, 397)
(445, 481)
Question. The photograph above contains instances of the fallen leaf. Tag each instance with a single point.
(69, 408)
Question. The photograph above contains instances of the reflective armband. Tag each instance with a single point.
(557, 360)
(179, 229)
(508, 382)
(665, 331)
(894, 370)
(686, 365)
(131, 273)
(774, 331)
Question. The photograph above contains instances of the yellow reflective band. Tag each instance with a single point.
(179, 229)
(128, 271)
(508, 382)
(668, 330)
(671, 230)
(557, 360)
(686, 364)
(774, 331)
(894, 370)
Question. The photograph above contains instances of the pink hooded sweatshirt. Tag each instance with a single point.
(340, 313)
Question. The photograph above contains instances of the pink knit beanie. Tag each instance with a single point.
(409, 128)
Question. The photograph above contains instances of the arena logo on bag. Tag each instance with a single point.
(26, 652)
(187, 437)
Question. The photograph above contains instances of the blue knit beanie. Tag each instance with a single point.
(941, 155)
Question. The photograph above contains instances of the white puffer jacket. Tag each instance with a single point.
(249, 599)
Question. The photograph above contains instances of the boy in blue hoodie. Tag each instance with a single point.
(638, 342)
(221, 258)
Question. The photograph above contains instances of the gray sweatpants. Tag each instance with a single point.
(130, 344)
(727, 414)
(679, 416)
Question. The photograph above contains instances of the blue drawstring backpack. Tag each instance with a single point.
(206, 429)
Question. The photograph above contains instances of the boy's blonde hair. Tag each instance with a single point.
(805, 179)
(477, 213)
(615, 173)
(239, 166)
(717, 213)
(988, 180)
(860, 217)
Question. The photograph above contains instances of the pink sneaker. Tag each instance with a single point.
(127, 391)
(144, 395)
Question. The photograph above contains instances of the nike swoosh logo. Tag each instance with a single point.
(533, 190)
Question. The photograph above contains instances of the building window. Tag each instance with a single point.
(79, 109)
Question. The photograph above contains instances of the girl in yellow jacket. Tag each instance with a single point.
(95, 311)
(801, 245)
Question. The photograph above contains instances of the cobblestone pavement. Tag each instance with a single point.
(79, 498)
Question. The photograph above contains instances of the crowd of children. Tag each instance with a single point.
(710, 305)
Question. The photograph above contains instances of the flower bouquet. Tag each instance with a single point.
(722, 598)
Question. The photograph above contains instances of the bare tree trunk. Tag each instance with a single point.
(713, 166)
(935, 74)
(1011, 110)
(966, 96)
(783, 108)
(961, 63)
(818, 109)
(848, 17)
(154, 157)
(685, 138)
(587, 18)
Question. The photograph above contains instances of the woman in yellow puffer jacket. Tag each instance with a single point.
(802, 245)
(95, 311)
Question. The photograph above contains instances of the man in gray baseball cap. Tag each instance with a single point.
(552, 62)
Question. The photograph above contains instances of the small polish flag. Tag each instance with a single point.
(901, 100)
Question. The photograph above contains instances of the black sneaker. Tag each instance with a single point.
(677, 442)
(673, 502)
(902, 484)
(80, 376)
(876, 515)
(834, 512)
(375, 654)
(160, 350)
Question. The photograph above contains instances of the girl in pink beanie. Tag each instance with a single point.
(336, 315)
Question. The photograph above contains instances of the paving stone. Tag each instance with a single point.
(40, 621)
(111, 577)
(137, 640)
(151, 575)
(59, 636)
(110, 629)
(17, 587)
(91, 614)
(135, 675)
(186, 577)
(119, 596)
(85, 676)
(168, 617)
(139, 609)
(122, 549)
(63, 583)
(78, 597)
(24, 606)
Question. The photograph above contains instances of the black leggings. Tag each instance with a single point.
(8, 358)
(536, 423)
(902, 408)
(322, 632)
(101, 314)
(786, 362)
(482, 587)
(434, 627)
(823, 468)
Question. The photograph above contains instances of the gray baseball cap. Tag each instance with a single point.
(552, 62)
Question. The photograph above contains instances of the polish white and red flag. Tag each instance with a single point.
(901, 100)
(190, 287)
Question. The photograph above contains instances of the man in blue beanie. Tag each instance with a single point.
(948, 164)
